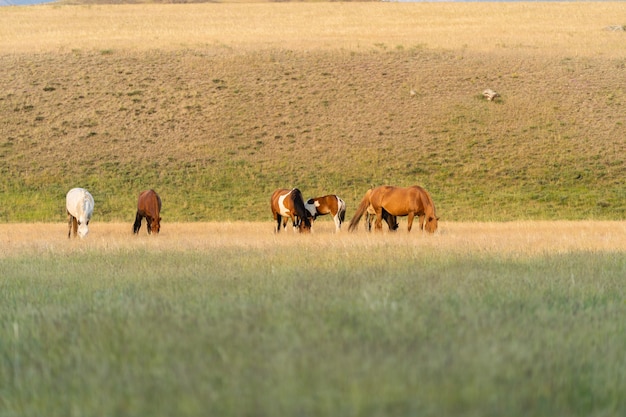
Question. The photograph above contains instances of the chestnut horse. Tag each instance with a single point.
(290, 204)
(328, 204)
(370, 214)
(148, 206)
(79, 205)
(399, 201)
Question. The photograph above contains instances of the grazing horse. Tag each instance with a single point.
(290, 204)
(148, 206)
(366, 208)
(370, 215)
(328, 204)
(79, 205)
(398, 201)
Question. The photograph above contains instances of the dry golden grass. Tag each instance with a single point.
(216, 105)
(565, 28)
(510, 239)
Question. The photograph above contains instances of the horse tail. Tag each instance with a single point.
(341, 209)
(361, 209)
(298, 204)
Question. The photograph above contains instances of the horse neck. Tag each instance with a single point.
(298, 206)
(87, 209)
(429, 206)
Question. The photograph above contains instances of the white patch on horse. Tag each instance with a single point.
(284, 211)
(311, 208)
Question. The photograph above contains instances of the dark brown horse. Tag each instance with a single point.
(370, 215)
(399, 201)
(289, 204)
(148, 206)
(328, 204)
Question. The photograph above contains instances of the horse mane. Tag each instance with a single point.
(298, 205)
(365, 202)
(427, 201)
(87, 207)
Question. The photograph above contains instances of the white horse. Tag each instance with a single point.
(79, 204)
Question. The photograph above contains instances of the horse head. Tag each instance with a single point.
(301, 212)
(83, 226)
(431, 223)
(155, 224)
(304, 224)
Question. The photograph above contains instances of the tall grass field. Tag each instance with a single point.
(228, 319)
(515, 307)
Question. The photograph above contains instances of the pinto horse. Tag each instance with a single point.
(399, 201)
(328, 204)
(79, 205)
(290, 204)
(148, 206)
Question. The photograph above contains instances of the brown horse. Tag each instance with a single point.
(290, 204)
(399, 201)
(370, 215)
(148, 206)
(366, 208)
(328, 204)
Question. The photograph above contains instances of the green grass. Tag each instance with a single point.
(386, 332)
(215, 131)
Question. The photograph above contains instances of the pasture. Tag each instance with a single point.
(480, 319)
(499, 313)
(217, 105)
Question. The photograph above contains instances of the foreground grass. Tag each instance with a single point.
(365, 326)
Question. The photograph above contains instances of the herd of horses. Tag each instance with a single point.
(383, 203)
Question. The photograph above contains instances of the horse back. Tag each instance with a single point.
(326, 204)
(149, 203)
(400, 201)
(79, 203)
(275, 198)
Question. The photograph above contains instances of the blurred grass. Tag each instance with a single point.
(347, 332)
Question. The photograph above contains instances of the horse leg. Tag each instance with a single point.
(137, 224)
(279, 219)
(410, 220)
(337, 222)
(394, 222)
(378, 226)
(422, 217)
(69, 224)
(391, 221)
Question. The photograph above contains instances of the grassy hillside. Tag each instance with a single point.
(214, 128)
